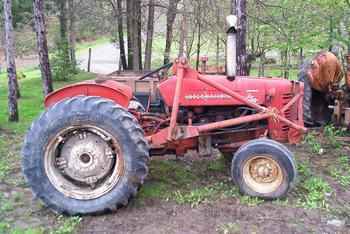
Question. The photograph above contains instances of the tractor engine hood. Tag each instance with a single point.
(197, 93)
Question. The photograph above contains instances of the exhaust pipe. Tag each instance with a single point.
(231, 47)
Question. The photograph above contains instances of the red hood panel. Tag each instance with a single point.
(198, 93)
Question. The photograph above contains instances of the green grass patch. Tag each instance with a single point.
(314, 144)
(250, 201)
(31, 102)
(315, 194)
(204, 194)
(166, 176)
(341, 173)
(67, 225)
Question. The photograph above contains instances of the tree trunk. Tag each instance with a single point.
(149, 41)
(241, 12)
(11, 64)
(63, 44)
(40, 28)
(121, 34)
(62, 4)
(137, 36)
(171, 16)
(262, 66)
(72, 32)
(183, 46)
(199, 35)
(134, 34)
(129, 10)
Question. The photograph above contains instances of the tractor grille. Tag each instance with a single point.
(291, 113)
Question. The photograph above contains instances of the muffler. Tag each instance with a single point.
(231, 47)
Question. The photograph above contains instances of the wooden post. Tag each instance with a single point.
(89, 60)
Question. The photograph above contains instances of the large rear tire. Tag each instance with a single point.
(263, 168)
(85, 155)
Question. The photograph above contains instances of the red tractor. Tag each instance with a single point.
(88, 152)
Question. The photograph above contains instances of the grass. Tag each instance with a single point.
(341, 173)
(31, 102)
(316, 192)
(314, 144)
(166, 176)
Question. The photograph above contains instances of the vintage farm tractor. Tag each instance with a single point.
(88, 152)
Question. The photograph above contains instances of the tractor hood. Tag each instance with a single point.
(197, 93)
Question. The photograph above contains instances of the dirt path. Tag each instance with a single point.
(105, 59)
(224, 216)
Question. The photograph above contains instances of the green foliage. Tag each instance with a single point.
(4, 165)
(313, 143)
(218, 165)
(63, 68)
(6, 205)
(195, 197)
(204, 194)
(167, 176)
(342, 172)
(28, 231)
(4, 227)
(331, 132)
(67, 225)
(304, 170)
(250, 201)
(316, 191)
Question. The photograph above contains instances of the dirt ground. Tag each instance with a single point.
(173, 199)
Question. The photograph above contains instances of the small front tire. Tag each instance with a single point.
(263, 168)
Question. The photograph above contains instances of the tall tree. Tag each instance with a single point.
(11, 64)
(171, 16)
(241, 12)
(137, 28)
(40, 28)
(150, 30)
(72, 30)
(130, 32)
(134, 25)
(118, 14)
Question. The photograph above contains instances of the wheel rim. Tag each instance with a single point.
(84, 162)
(262, 174)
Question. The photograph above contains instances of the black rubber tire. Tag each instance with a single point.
(307, 101)
(95, 111)
(278, 152)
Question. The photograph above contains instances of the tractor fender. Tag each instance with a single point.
(109, 89)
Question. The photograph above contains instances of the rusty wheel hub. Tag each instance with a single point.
(84, 163)
(262, 174)
(86, 158)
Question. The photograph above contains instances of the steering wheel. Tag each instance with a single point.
(150, 74)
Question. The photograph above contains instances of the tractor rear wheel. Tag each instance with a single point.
(263, 168)
(85, 155)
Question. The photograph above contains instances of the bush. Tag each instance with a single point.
(63, 68)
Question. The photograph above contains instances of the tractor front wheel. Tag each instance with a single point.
(85, 155)
(263, 168)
